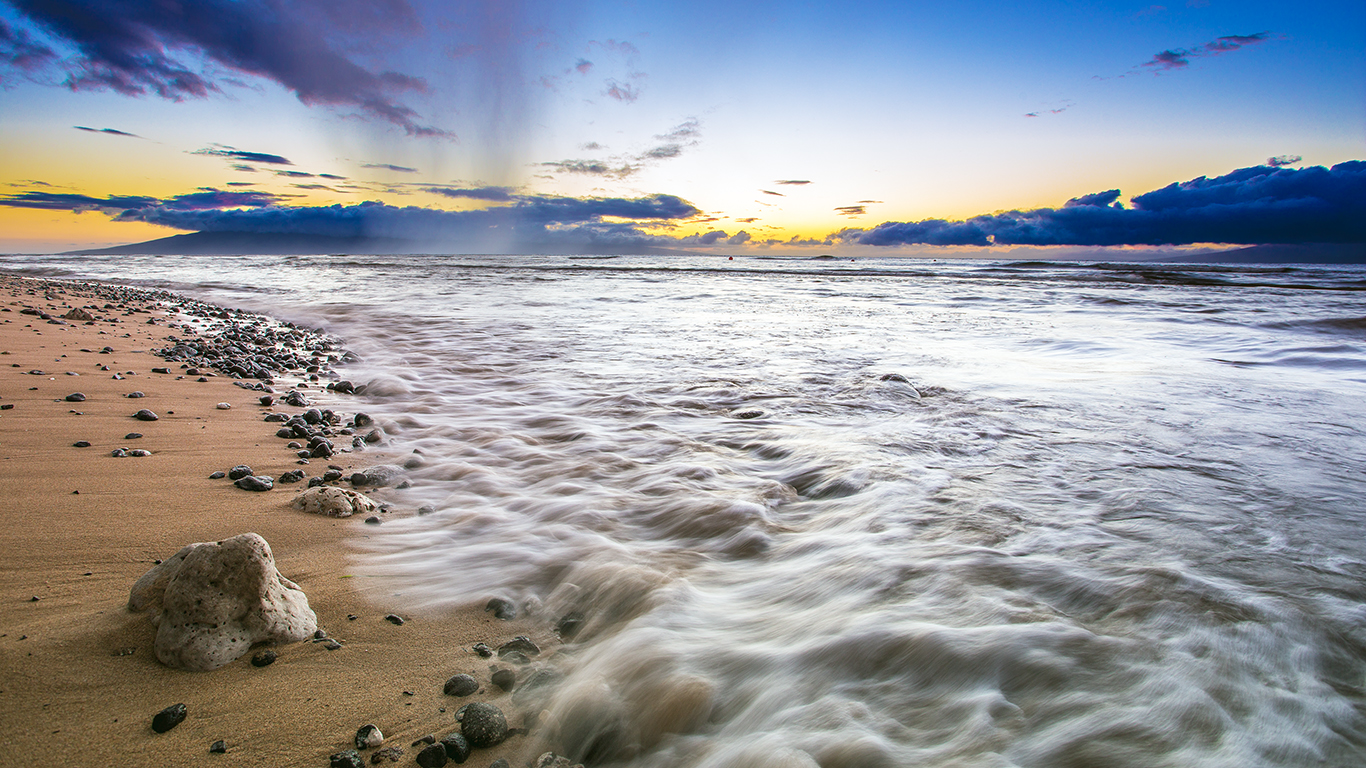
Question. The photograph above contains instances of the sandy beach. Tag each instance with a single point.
(80, 681)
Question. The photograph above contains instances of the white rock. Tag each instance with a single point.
(224, 406)
(335, 502)
(212, 601)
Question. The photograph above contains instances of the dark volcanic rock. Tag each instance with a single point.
(569, 625)
(348, 759)
(379, 475)
(483, 724)
(363, 420)
(505, 679)
(394, 619)
(503, 609)
(82, 444)
(432, 756)
(133, 436)
(388, 754)
(255, 483)
(460, 685)
(519, 644)
(218, 747)
(75, 397)
(219, 475)
(238, 472)
(264, 658)
(145, 415)
(457, 747)
(292, 476)
(482, 650)
(169, 718)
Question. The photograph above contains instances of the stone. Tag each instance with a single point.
(119, 453)
(499, 763)
(169, 718)
(238, 472)
(224, 406)
(457, 748)
(77, 313)
(373, 520)
(432, 756)
(256, 483)
(388, 754)
(75, 397)
(348, 759)
(502, 608)
(212, 601)
(460, 685)
(145, 415)
(133, 436)
(483, 724)
(292, 476)
(363, 420)
(394, 619)
(369, 736)
(264, 658)
(482, 649)
(379, 475)
(139, 452)
(135, 395)
(218, 747)
(505, 679)
(334, 502)
(219, 475)
(569, 625)
(519, 644)
(82, 444)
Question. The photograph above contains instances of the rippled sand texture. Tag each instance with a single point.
(883, 513)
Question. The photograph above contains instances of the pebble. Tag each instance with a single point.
(267, 400)
(519, 644)
(569, 625)
(224, 406)
(219, 475)
(82, 444)
(460, 685)
(428, 739)
(368, 736)
(394, 619)
(135, 395)
(238, 472)
(276, 417)
(169, 718)
(482, 650)
(391, 754)
(348, 759)
(363, 420)
(264, 658)
(119, 453)
(457, 747)
(332, 476)
(433, 756)
(139, 452)
(145, 415)
(292, 476)
(499, 763)
(255, 483)
(505, 679)
(133, 436)
(483, 724)
(502, 609)
(218, 747)
(75, 397)
(332, 645)
(373, 520)
(425, 510)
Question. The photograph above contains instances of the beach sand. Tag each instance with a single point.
(79, 682)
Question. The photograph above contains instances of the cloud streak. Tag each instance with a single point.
(1180, 58)
(137, 47)
(109, 131)
(1256, 205)
(230, 153)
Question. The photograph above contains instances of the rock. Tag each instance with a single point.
(75, 397)
(482, 650)
(363, 420)
(332, 475)
(394, 619)
(219, 475)
(292, 476)
(369, 736)
(428, 739)
(145, 415)
(161, 370)
(379, 475)
(389, 754)
(519, 644)
(460, 685)
(552, 760)
(483, 724)
(432, 756)
(502, 609)
(348, 759)
(334, 502)
(499, 763)
(238, 472)
(267, 400)
(264, 658)
(133, 436)
(425, 509)
(218, 747)
(135, 395)
(169, 718)
(505, 679)
(212, 601)
(373, 520)
(457, 748)
(119, 453)
(374, 436)
(224, 406)
(569, 625)
(82, 444)
(255, 483)
(77, 313)
(139, 452)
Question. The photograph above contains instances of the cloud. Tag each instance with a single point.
(771, 192)
(136, 47)
(332, 176)
(583, 66)
(294, 174)
(218, 150)
(591, 168)
(792, 182)
(1283, 160)
(623, 92)
(1256, 205)
(591, 146)
(208, 199)
(110, 131)
(749, 220)
(851, 210)
(1180, 58)
(494, 194)
(740, 238)
(388, 167)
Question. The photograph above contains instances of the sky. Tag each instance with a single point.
(782, 127)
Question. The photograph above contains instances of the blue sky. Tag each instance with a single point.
(520, 125)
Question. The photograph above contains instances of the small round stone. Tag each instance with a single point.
(432, 756)
(348, 759)
(368, 736)
(219, 475)
(224, 406)
(139, 452)
(255, 483)
(373, 520)
(264, 658)
(238, 472)
(457, 748)
(483, 724)
(218, 747)
(502, 608)
(136, 395)
(169, 718)
(82, 444)
(75, 397)
(145, 415)
(133, 436)
(394, 619)
(505, 679)
(460, 685)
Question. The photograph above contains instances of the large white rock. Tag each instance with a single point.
(335, 502)
(212, 601)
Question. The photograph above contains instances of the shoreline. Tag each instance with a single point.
(80, 676)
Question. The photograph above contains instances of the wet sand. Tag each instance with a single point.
(79, 682)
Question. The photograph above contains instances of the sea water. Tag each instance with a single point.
(884, 512)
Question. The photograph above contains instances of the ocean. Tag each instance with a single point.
(882, 512)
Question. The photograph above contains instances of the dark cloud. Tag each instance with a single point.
(851, 210)
(662, 152)
(135, 47)
(388, 167)
(792, 182)
(218, 150)
(592, 168)
(20, 51)
(241, 184)
(771, 192)
(295, 174)
(332, 176)
(1179, 58)
(592, 146)
(109, 131)
(686, 131)
(208, 199)
(1254, 205)
(870, 202)
(1283, 160)
(740, 238)
(749, 220)
(313, 187)
(583, 66)
(494, 194)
